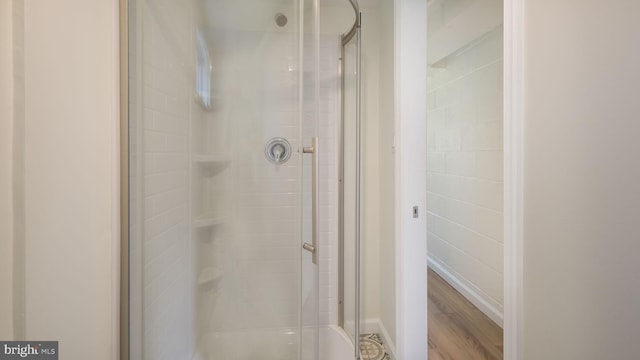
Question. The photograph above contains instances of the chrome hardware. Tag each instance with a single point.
(310, 248)
(278, 150)
(313, 150)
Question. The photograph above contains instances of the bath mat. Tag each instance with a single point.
(372, 348)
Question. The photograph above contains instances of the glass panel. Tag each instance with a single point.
(349, 104)
(217, 269)
(310, 118)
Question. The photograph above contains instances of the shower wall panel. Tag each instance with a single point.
(260, 286)
(257, 77)
(328, 127)
(166, 83)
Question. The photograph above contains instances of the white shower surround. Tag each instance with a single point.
(169, 121)
(264, 217)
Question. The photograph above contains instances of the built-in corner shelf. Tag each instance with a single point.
(211, 162)
(209, 275)
(208, 220)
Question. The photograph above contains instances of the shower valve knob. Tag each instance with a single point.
(278, 150)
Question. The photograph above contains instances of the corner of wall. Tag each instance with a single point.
(6, 155)
(17, 171)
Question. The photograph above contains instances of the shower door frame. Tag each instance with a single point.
(124, 180)
(345, 39)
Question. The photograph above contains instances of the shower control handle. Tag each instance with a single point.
(278, 150)
(315, 203)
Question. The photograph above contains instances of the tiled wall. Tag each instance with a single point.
(328, 130)
(257, 77)
(465, 181)
(257, 254)
(166, 100)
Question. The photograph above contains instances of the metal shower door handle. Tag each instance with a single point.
(315, 203)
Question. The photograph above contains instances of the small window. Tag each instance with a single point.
(203, 71)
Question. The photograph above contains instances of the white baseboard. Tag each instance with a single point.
(477, 299)
(391, 346)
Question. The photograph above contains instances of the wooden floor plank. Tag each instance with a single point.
(434, 353)
(457, 329)
(478, 322)
(453, 341)
(433, 307)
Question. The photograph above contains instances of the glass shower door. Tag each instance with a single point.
(349, 161)
(222, 121)
(351, 185)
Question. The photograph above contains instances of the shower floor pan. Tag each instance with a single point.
(273, 344)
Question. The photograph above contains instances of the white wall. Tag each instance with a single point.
(334, 19)
(18, 172)
(582, 180)
(410, 33)
(71, 125)
(465, 181)
(386, 289)
(370, 206)
(6, 159)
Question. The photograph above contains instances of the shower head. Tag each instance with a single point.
(281, 19)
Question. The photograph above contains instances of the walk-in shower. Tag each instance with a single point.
(236, 186)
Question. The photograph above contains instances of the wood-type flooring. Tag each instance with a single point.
(457, 329)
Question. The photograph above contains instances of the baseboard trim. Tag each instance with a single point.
(391, 347)
(473, 296)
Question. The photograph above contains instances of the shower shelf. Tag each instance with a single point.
(209, 275)
(209, 220)
(216, 162)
